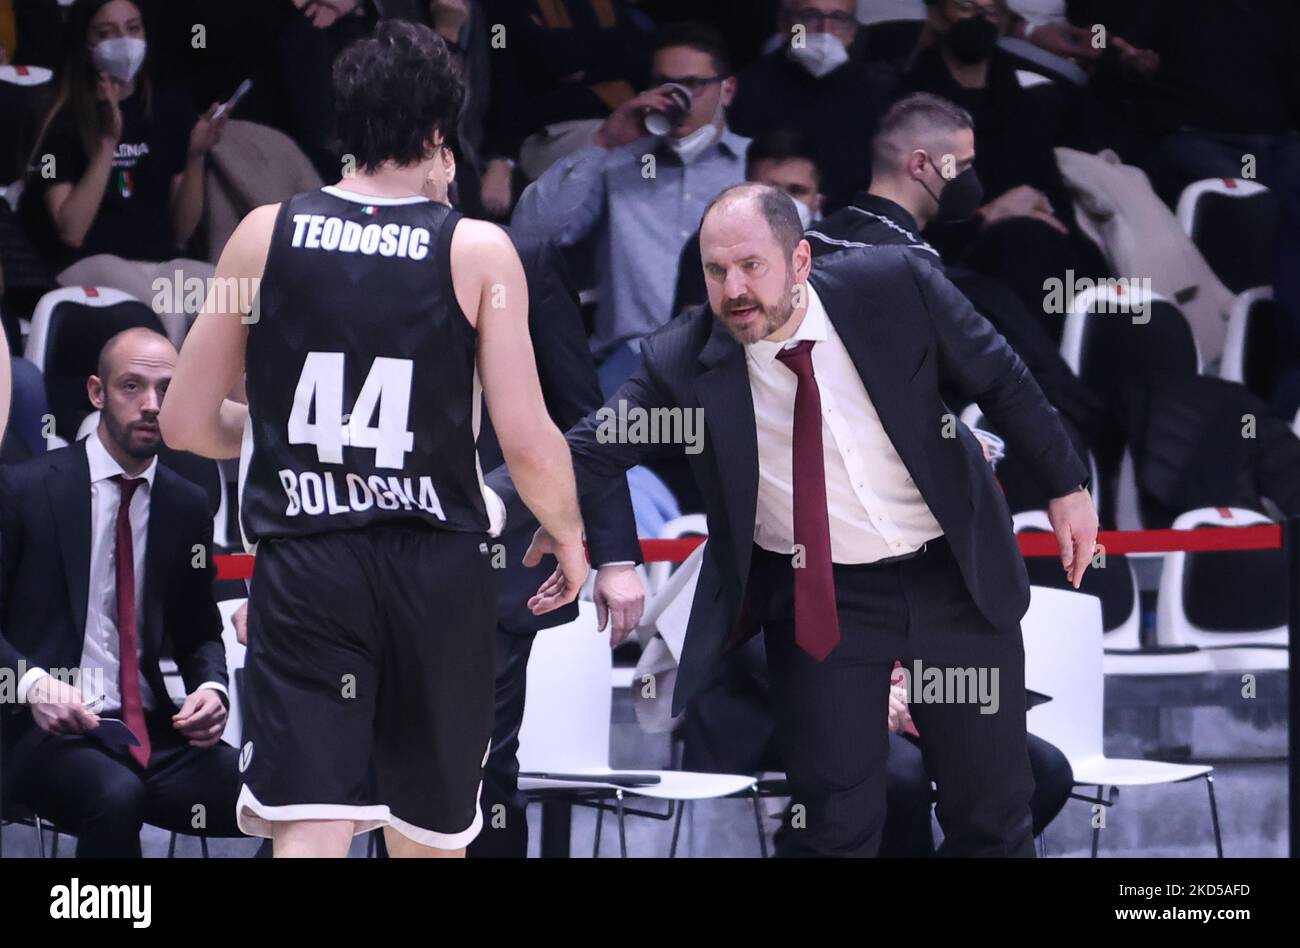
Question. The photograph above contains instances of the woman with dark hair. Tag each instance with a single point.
(119, 166)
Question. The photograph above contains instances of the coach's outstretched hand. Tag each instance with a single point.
(1074, 519)
(571, 572)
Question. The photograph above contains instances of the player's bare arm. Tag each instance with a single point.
(198, 415)
(491, 289)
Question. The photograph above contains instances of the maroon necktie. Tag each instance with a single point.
(128, 658)
(816, 622)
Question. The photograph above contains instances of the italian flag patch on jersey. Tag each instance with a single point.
(370, 209)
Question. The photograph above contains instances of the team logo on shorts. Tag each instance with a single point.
(245, 756)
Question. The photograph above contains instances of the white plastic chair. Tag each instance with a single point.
(683, 526)
(25, 75)
(1063, 660)
(88, 424)
(1232, 366)
(235, 653)
(1231, 221)
(1174, 628)
(1125, 636)
(1191, 197)
(38, 337)
(1109, 298)
(564, 737)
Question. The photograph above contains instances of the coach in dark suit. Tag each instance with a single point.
(852, 517)
(104, 555)
(568, 378)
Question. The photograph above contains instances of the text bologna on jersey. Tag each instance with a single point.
(313, 493)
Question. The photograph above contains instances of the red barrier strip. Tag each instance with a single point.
(1202, 540)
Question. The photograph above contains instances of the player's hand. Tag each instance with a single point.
(59, 708)
(1074, 519)
(201, 718)
(240, 621)
(571, 572)
(620, 597)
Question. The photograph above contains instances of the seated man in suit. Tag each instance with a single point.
(103, 554)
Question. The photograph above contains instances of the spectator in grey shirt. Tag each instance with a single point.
(641, 197)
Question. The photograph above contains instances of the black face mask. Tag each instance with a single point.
(972, 40)
(961, 197)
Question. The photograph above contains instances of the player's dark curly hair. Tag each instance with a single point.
(391, 91)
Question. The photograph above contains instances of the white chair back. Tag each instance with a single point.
(25, 75)
(1063, 660)
(88, 424)
(567, 711)
(1190, 199)
(1173, 627)
(683, 526)
(1232, 366)
(38, 337)
(1110, 300)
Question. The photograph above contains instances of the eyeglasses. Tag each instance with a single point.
(819, 20)
(975, 6)
(695, 84)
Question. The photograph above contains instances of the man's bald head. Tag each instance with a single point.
(137, 342)
(755, 203)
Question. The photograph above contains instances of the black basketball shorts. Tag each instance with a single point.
(368, 686)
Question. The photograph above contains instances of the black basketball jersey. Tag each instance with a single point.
(362, 391)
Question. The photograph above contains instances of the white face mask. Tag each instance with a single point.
(120, 57)
(821, 54)
(695, 144)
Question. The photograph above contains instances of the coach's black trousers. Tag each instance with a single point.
(832, 716)
(505, 819)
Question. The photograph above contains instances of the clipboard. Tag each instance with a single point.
(114, 733)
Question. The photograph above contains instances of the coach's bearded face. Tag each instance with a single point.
(750, 278)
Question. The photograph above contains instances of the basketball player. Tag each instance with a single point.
(369, 679)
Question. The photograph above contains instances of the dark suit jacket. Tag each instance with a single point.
(568, 376)
(45, 575)
(905, 327)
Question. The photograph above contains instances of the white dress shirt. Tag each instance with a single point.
(874, 508)
(101, 645)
